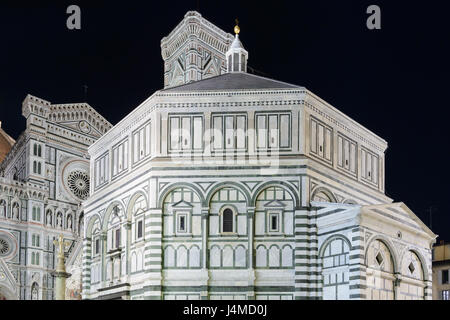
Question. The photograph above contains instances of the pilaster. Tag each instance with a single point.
(357, 268)
(153, 255)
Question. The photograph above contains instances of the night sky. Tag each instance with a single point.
(393, 81)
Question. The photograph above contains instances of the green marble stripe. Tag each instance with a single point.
(154, 224)
(308, 281)
(307, 264)
(306, 257)
(153, 263)
(301, 289)
(306, 233)
(357, 296)
(356, 256)
(153, 255)
(308, 298)
(306, 241)
(357, 278)
(357, 286)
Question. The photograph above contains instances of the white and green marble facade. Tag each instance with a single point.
(43, 180)
(267, 151)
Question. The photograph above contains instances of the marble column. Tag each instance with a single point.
(60, 274)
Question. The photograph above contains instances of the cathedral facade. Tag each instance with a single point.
(43, 180)
(228, 185)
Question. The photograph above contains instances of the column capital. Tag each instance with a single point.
(251, 212)
(205, 212)
(127, 225)
(398, 280)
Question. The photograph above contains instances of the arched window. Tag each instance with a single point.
(35, 150)
(39, 151)
(39, 168)
(35, 291)
(335, 269)
(227, 220)
(34, 166)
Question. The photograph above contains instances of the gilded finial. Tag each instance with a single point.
(236, 28)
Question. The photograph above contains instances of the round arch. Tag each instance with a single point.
(331, 239)
(389, 245)
(325, 191)
(108, 213)
(90, 225)
(281, 184)
(132, 201)
(426, 276)
(217, 187)
(174, 186)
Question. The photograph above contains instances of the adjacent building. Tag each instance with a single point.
(43, 180)
(6, 143)
(228, 185)
(441, 270)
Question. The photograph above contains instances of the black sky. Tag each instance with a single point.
(393, 81)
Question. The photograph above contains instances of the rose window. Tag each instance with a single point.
(4, 247)
(79, 184)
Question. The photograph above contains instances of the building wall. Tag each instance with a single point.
(172, 173)
(44, 179)
(441, 264)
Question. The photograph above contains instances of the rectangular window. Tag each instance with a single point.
(445, 277)
(217, 132)
(97, 246)
(186, 132)
(117, 240)
(369, 166)
(140, 227)
(347, 154)
(198, 133)
(273, 130)
(285, 124)
(313, 136)
(181, 223)
(322, 141)
(141, 143)
(120, 158)
(101, 170)
(241, 128)
(446, 295)
(229, 131)
(261, 131)
(274, 222)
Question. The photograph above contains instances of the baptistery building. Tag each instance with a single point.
(228, 185)
(44, 178)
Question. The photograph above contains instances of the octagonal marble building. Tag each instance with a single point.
(229, 185)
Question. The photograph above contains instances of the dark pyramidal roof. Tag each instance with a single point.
(232, 81)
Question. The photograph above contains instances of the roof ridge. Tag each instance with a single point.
(8, 138)
(214, 84)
